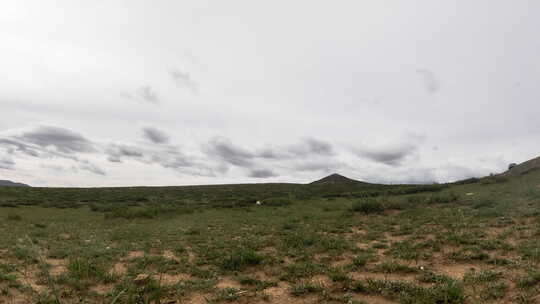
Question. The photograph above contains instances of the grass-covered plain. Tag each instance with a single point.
(471, 242)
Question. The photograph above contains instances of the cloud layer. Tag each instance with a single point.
(217, 156)
(162, 98)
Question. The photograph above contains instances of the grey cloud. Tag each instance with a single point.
(63, 140)
(311, 146)
(262, 173)
(6, 163)
(307, 147)
(183, 79)
(155, 135)
(184, 164)
(92, 168)
(169, 157)
(15, 146)
(226, 151)
(272, 153)
(429, 79)
(117, 151)
(392, 155)
(308, 155)
(52, 142)
(144, 93)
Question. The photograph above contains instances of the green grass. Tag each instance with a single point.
(215, 243)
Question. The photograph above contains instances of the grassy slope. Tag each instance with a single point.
(472, 243)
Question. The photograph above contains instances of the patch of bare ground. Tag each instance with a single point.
(456, 271)
(102, 289)
(57, 266)
(447, 249)
(281, 295)
(118, 269)
(381, 276)
(135, 254)
(358, 230)
(269, 250)
(64, 236)
(228, 282)
(373, 299)
(287, 260)
(321, 279)
(198, 298)
(264, 276)
(15, 297)
(395, 238)
(494, 232)
(247, 228)
(168, 254)
(391, 212)
(191, 256)
(171, 279)
(29, 277)
(363, 245)
(341, 261)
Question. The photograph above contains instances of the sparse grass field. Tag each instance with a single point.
(476, 242)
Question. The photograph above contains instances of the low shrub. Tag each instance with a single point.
(241, 259)
(14, 217)
(443, 198)
(303, 288)
(368, 206)
(277, 202)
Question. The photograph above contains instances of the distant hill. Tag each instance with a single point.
(6, 183)
(336, 179)
(525, 167)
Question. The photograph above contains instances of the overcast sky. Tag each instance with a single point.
(118, 93)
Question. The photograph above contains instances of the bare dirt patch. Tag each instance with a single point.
(456, 271)
(322, 280)
(198, 298)
(395, 238)
(64, 236)
(30, 278)
(191, 257)
(342, 260)
(381, 276)
(287, 260)
(270, 250)
(279, 293)
(135, 254)
(57, 266)
(362, 245)
(372, 299)
(168, 254)
(171, 279)
(102, 289)
(119, 269)
(15, 297)
(228, 282)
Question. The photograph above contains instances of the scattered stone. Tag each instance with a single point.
(141, 279)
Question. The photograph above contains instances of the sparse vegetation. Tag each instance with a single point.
(368, 206)
(468, 242)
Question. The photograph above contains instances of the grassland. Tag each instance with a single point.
(472, 242)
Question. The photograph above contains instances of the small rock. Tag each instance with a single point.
(141, 279)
